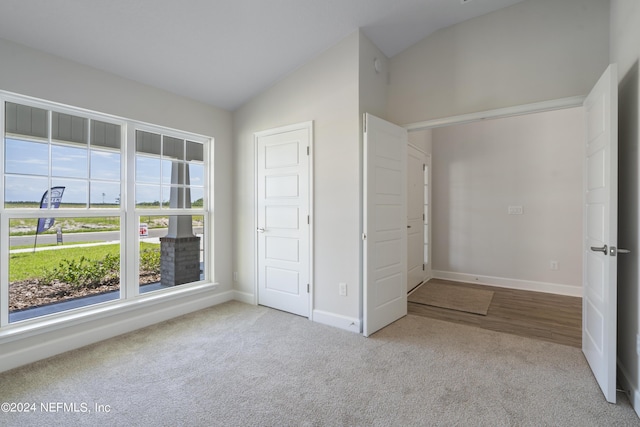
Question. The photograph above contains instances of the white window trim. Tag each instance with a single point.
(129, 300)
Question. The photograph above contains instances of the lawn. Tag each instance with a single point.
(29, 265)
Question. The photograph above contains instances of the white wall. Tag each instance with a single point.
(480, 169)
(324, 90)
(533, 51)
(625, 50)
(422, 139)
(373, 85)
(30, 72)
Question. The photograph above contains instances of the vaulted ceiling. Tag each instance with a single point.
(221, 52)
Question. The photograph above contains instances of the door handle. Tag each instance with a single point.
(603, 249)
(260, 230)
(613, 251)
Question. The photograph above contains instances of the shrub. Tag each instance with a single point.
(84, 272)
(150, 260)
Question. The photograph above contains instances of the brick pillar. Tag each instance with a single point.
(179, 260)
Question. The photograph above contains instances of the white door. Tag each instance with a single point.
(384, 224)
(416, 216)
(427, 220)
(601, 215)
(282, 226)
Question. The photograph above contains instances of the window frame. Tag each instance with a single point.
(127, 212)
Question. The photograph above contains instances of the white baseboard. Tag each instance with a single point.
(503, 282)
(627, 384)
(244, 297)
(27, 345)
(337, 321)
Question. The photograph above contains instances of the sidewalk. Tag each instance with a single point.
(155, 240)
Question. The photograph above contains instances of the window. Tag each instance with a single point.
(73, 205)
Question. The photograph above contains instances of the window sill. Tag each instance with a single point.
(50, 323)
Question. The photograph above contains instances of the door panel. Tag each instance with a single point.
(384, 224)
(601, 214)
(283, 232)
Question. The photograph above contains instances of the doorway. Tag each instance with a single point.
(599, 171)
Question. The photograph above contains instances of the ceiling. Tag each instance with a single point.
(221, 52)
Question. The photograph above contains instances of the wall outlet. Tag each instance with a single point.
(342, 289)
(515, 210)
(553, 265)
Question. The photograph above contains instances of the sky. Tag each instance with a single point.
(27, 164)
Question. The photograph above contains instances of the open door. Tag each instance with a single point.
(601, 236)
(384, 224)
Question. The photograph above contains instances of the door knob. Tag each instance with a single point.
(260, 230)
(624, 251)
(602, 249)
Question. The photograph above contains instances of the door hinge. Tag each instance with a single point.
(423, 217)
(307, 150)
(364, 124)
(307, 288)
(364, 236)
(308, 220)
(423, 267)
(424, 167)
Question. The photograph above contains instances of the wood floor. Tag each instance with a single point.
(548, 317)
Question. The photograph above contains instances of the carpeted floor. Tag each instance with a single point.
(241, 365)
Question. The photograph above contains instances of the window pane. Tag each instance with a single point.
(76, 192)
(197, 197)
(24, 191)
(24, 120)
(147, 196)
(196, 174)
(173, 148)
(55, 278)
(147, 170)
(165, 261)
(105, 165)
(174, 196)
(26, 157)
(166, 171)
(68, 128)
(147, 142)
(195, 151)
(105, 194)
(105, 135)
(68, 161)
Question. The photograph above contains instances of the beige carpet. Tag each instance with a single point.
(453, 297)
(241, 365)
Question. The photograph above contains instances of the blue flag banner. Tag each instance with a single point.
(47, 201)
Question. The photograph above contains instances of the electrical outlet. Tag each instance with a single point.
(515, 210)
(553, 265)
(342, 289)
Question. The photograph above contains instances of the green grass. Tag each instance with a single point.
(30, 265)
